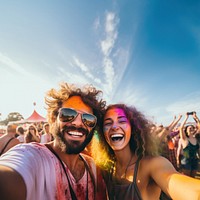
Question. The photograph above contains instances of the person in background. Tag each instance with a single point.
(167, 144)
(46, 136)
(189, 146)
(20, 132)
(128, 158)
(2, 131)
(58, 170)
(32, 135)
(8, 140)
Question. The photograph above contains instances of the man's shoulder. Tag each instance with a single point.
(28, 147)
(31, 145)
(27, 153)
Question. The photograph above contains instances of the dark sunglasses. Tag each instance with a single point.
(69, 114)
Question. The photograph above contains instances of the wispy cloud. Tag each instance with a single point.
(107, 45)
(133, 97)
(5, 60)
(164, 114)
(190, 102)
(86, 70)
(115, 53)
(71, 77)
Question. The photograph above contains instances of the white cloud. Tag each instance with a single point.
(164, 114)
(131, 96)
(190, 102)
(107, 45)
(71, 77)
(86, 70)
(115, 55)
(82, 66)
(111, 23)
(12, 65)
(111, 33)
(110, 73)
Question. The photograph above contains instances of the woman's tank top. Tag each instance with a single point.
(190, 151)
(125, 190)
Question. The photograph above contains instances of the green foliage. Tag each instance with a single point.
(12, 117)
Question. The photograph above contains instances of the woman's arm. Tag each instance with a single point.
(178, 153)
(196, 119)
(174, 122)
(167, 130)
(182, 133)
(183, 187)
(162, 134)
(176, 185)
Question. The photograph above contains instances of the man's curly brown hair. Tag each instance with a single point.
(89, 95)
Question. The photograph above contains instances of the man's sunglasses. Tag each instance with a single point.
(69, 115)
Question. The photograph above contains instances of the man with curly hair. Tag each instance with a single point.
(58, 169)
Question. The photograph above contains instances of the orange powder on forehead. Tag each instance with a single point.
(77, 103)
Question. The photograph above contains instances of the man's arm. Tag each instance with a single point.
(12, 186)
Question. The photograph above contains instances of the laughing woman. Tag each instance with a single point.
(131, 168)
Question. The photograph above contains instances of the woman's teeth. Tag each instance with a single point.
(117, 137)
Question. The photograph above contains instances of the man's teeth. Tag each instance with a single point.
(76, 134)
(117, 137)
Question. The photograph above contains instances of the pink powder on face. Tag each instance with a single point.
(119, 112)
(115, 114)
(112, 113)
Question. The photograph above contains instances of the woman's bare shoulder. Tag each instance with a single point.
(152, 163)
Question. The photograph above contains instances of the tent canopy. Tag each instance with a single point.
(35, 117)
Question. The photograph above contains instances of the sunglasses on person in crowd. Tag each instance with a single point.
(69, 114)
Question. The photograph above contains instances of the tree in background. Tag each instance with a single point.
(12, 117)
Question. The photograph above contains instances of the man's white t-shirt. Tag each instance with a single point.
(43, 174)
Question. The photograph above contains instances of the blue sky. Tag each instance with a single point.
(143, 53)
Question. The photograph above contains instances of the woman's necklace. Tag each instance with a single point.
(128, 165)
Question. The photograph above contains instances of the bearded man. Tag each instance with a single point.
(58, 169)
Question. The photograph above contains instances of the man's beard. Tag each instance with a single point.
(71, 147)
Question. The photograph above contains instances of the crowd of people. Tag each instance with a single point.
(16, 134)
(90, 150)
(180, 143)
